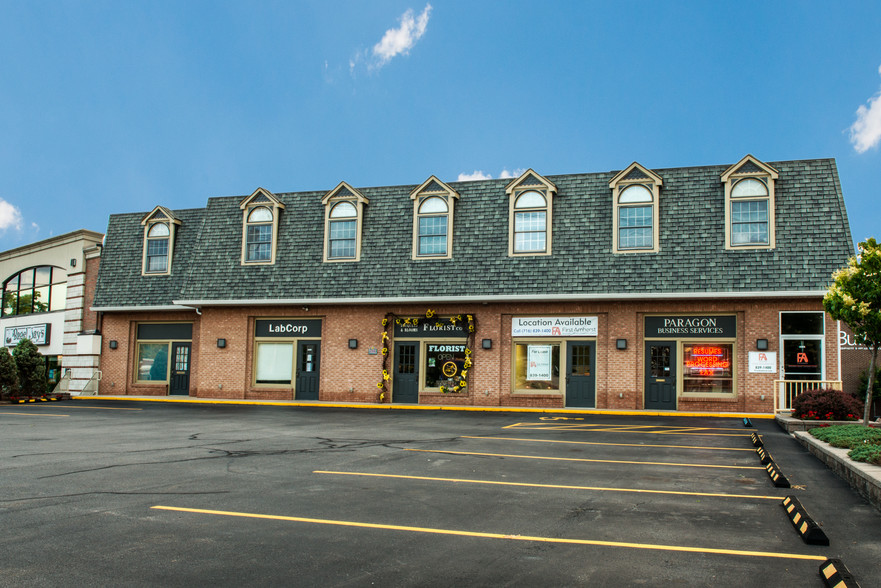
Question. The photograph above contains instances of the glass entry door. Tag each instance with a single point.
(802, 359)
(405, 386)
(660, 375)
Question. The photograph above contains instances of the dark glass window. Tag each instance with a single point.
(36, 289)
(801, 323)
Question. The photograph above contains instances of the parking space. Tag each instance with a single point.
(144, 493)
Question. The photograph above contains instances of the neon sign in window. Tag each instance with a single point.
(707, 368)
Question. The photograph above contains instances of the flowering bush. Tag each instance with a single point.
(826, 405)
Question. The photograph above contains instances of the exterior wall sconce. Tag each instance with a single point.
(762, 344)
(353, 344)
(113, 344)
(621, 344)
(221, 343)
(487, 344)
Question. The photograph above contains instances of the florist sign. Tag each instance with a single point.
(39, 334)
(554, 326)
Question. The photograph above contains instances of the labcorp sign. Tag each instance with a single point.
(554, 326)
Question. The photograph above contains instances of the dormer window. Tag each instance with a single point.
(749, 204)
(159, 230)
(635, 195)
(344, 208)
(433, 204)
(530, 216)
(260, 216)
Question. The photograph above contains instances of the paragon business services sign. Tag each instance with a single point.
(691, 326)
(554, 326)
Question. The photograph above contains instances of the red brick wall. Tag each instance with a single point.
(352, 374)
(90, 317)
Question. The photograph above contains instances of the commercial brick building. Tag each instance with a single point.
(679, 289)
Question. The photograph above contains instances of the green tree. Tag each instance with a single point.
(8, 374)
(31, 368)
(855, 298)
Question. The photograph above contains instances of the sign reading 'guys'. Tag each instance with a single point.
(554, 326)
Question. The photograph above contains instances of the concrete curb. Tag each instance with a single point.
(862, 477)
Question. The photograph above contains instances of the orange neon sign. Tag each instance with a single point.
(707, 360)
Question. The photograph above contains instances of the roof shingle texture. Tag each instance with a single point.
(812, 240)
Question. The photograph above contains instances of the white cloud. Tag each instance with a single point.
(514, 174)
(10, 216)
(396, 41)
(475, 175)
(865, 132)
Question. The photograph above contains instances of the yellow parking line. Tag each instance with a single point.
(35, 414)
(622, 429)
(661, 463)
(510, 537)
(556, 486)
(102, 408)
(751, 449)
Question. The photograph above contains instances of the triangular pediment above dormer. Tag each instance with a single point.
(263, 197)
(636, 174)
(344, 190)
(530, 179)
(433, 186)
(749, 166)
(158, 214)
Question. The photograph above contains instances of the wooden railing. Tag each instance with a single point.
(785, 391)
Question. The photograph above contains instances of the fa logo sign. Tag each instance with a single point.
(763, 357)
(802, 358)
(556, 331)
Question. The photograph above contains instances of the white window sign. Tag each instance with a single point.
(554, 326)
(763, 362)
(39, 334)
(538, 362)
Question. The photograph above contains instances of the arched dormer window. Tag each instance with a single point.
(260, 216)
(749, 204)
(530, 215)
(635, 196)
(433, 205)
(343, 218)
(159, 231)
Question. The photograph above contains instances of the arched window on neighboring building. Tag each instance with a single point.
(36, 289)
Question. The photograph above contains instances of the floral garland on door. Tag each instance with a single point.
(391, 319)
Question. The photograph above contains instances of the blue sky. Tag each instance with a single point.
(116, 106)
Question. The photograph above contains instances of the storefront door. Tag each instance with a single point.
(405, 387)
(803, 359)
(308, 353)
(580, 375)
(180, 369)
(660, 375)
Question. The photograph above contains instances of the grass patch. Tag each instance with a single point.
(864, 442)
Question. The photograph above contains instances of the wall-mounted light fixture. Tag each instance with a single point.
(73, 262)
(113, 344)
(621, 344)
(487, 343)
(305, 309)
(353, 344)
(221, 343)
(762, 344)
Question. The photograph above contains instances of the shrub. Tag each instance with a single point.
(848, 436)
(867, 453)
(876, 385)
(8, 374)
(31, 369)
(826, 405)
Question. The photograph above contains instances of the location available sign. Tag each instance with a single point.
(554, 326)
(39, 334)
(763, 362)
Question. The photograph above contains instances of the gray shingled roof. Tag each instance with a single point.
(812, 240)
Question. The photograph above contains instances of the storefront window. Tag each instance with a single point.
(537, 366)
(275, 362)
(153, 362)
(443, 364)
(707, 368)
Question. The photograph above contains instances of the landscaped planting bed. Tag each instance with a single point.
(864, 442)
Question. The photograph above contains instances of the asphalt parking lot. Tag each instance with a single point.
(96, 493)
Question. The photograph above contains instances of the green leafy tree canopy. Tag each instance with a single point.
(855, 298)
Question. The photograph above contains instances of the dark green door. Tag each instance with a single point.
(660, 375)
(308, 370)
(405, 386)
(581, 375)
(180, 369)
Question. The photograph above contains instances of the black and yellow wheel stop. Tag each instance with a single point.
(757, 441)
(763, 455)
(836, 575)
(809, 530)
(779, 479)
